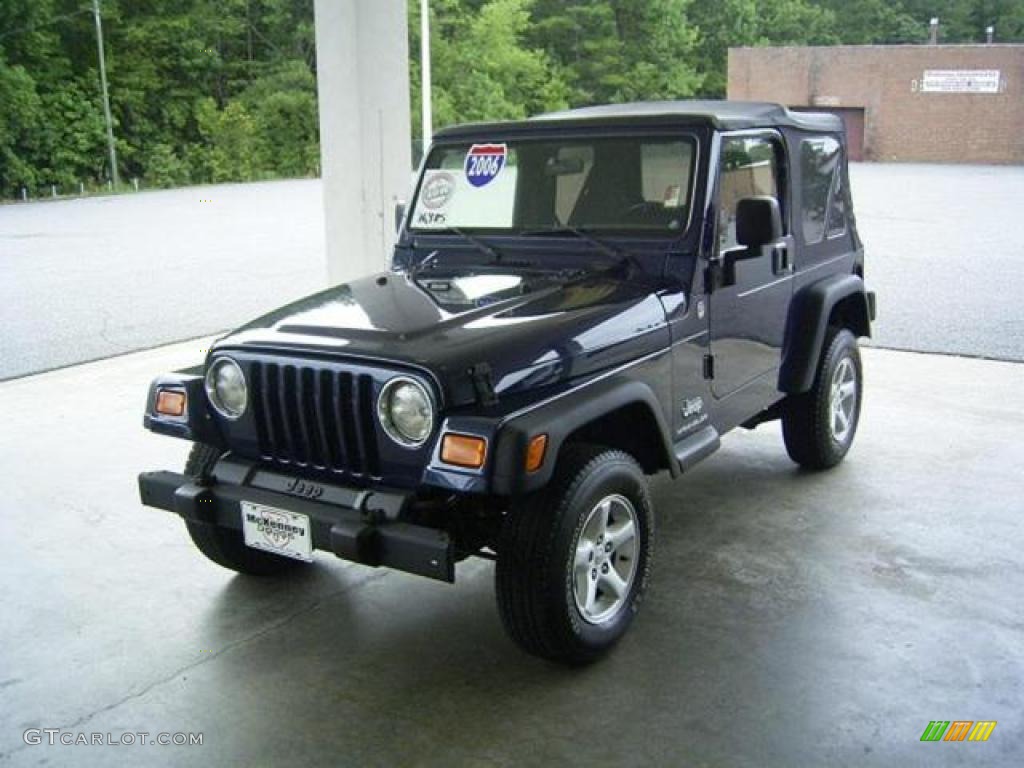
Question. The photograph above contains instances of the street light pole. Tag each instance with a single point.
(106, 95)
(426, 86)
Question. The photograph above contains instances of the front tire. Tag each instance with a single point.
(819, 426)
(573, 559)
(226, 546)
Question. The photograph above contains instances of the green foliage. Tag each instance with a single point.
(20, 110)
(165, 167)
(200, 90)
(231, 141)
(283, 109)
(225, 90)
(483, 68)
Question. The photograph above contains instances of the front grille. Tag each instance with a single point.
(314, 416)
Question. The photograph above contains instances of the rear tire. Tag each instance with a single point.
(225, 546)
(573, 559)
(819, 426)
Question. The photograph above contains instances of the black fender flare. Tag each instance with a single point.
(808, 322)
(199, 425)
(560, 417)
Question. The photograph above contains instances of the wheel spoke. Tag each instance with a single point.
(844, 420)
(590, 594)
(621, 534)
(584, 554)
(613, 582)
(602, 517)
(847, 390)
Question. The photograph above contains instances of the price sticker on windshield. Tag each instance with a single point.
(484, 162)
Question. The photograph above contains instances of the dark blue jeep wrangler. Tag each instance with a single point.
(575, 302)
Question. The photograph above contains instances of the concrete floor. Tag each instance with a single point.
(793, 619)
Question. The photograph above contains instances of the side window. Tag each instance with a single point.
(837, 206)
(822, 208)
(750, 168)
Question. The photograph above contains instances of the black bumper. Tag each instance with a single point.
(355, 524)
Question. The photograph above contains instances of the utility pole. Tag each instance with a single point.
(426, 86)
(106, 95)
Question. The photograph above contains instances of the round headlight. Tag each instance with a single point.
(406, 412)
(226, 388)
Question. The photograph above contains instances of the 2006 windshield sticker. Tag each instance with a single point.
(484, 162)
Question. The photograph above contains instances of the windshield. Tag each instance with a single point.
(612, 184)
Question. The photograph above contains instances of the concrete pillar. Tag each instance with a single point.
(362, 51)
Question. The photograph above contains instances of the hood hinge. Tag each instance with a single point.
(483, 383)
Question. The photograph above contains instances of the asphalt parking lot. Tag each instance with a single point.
(793, 619)
(88, 278)
(85, 279)
(944, 254)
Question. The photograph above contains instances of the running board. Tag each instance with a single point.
(697, 447)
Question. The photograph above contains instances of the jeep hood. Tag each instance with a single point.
(531, 330)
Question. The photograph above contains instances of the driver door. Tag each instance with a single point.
(748, 319)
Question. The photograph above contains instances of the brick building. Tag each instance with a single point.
(903, 103)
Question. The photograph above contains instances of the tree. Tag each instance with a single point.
(873, 22)
(231, 141)
(726, 24)
(21, 108)
(283, 106)
(483, 68)
(224, 90)
(620, 50)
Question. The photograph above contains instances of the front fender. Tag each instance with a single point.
(198, 424)
(558, 418)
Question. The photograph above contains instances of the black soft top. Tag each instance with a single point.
(723, 115)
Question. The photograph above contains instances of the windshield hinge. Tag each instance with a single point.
(709, 367)
(713, 276)
(483, 383)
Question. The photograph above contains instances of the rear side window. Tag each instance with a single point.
(837, 206)
(823, 210)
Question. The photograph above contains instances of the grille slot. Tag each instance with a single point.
(313, 416)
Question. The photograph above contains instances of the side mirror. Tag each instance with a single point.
(758, 222)
(399, 215)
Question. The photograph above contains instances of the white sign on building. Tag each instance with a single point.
(961, 81)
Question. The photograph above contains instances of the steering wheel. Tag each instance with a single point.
(644, 211)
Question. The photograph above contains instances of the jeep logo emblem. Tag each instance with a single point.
(303, 488)
(693, 407)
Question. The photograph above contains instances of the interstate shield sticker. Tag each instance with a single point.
(484, 162)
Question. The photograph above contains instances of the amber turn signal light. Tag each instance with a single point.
(463, 450)
(170, 403)
(535, 452)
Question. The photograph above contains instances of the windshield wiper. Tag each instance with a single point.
(471, 239)
(621, 257)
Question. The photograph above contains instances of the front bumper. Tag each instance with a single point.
(363, 526)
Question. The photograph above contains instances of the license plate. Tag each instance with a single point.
(277, 530)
